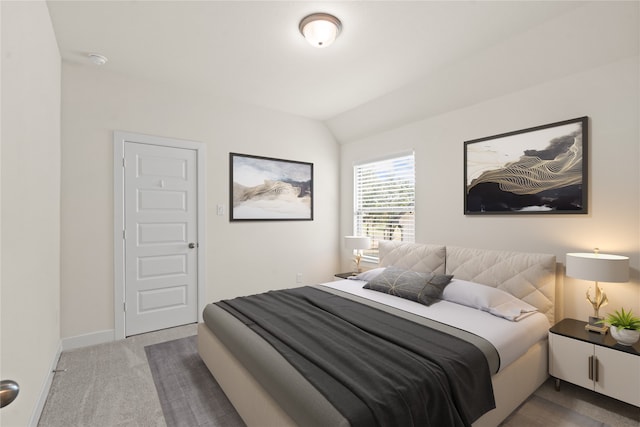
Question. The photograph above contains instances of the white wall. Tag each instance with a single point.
(30, 278)
(609, 95)
(242, 258)
(581, 63)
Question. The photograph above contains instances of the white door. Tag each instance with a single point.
(160, 248)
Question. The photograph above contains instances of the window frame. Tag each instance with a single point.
(406, 228)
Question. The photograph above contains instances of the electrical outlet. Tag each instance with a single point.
(299, 278)
(220, 210)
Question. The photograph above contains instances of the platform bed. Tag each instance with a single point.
(267, 391)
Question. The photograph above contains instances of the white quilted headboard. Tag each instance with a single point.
(528, 276)
(412, 256)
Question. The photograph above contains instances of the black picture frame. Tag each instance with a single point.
(538, 170)
(269, 189)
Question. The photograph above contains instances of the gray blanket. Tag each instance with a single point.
(375, 368)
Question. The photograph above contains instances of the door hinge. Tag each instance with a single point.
(124, 162)
(124, 234)
(124, 306)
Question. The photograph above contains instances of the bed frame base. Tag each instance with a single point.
(257, 408)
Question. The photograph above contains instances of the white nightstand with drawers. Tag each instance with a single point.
(594, 361)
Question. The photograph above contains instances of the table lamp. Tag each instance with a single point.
(357, 244)
(599, 268)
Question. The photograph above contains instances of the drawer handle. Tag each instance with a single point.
(595, 368)
(590, 367)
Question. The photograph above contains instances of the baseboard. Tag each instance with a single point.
(87, 340)
(44, 392)
(66, 344)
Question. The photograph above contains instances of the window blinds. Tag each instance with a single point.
(384, 200)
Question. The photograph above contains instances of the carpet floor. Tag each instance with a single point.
(108, 384)
(190, 396)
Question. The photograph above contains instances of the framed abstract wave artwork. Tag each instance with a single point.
(268, 189)
(539, 170)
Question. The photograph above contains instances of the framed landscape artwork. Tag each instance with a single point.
(539, 170)
(268, 189)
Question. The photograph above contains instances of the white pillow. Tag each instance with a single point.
(487, 298)
(368, 275)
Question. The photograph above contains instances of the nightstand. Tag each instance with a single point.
(345, 275)
(594, 361)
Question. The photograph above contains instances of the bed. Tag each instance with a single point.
(267, 390)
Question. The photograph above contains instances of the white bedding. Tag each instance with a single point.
(511, 339)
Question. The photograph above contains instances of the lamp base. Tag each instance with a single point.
(595, 325)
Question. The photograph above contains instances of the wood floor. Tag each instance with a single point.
(572, 406)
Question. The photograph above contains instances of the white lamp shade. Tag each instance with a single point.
(598, 267)
(357, 242)
(320, 29)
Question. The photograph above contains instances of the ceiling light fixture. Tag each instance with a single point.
(320, 29)
(97, 59)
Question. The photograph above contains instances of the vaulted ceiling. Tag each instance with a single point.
(252, 51)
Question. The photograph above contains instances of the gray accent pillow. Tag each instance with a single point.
(424, 288)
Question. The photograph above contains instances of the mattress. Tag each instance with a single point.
(510, 339)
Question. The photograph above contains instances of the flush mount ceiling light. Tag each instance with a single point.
(97, 59)
(320, 29)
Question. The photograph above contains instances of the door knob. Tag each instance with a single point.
(192, 245)
(8, 392)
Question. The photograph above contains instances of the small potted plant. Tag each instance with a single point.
(625, 327)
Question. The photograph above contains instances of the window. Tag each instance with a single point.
(384, 201)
